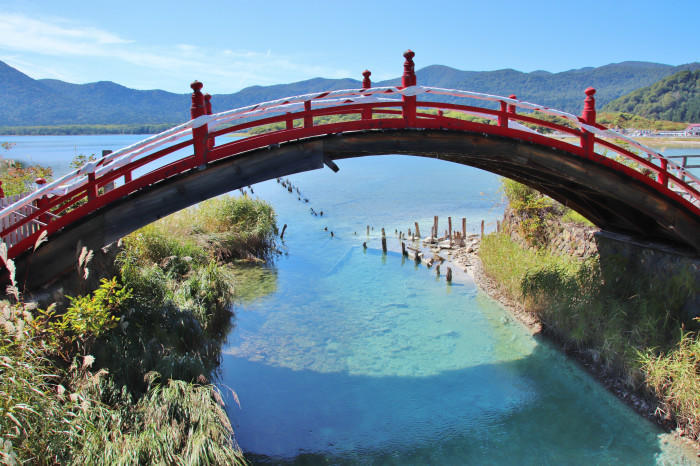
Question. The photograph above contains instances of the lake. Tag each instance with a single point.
(347, 356)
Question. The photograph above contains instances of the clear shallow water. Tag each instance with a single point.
(343, 355)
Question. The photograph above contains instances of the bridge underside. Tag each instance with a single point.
(607, 197)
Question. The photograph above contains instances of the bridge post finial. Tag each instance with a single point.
(588, 117)
(589, 113)
(511, 107)
(409, 73)
(409, 79)
(197, 109)
(199, 134)
(366, 83)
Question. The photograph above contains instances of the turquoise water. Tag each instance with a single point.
(363, 358)
(348, 356)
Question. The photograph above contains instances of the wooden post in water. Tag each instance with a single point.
(448, 276)
(403, 249)
(464, 227)
(435, 227)
(417, 230)
(482, 228)
(449, 229)
(367, 230)
(383, 241)
(284, 228)
(437, 270)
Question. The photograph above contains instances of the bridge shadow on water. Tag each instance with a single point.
(524, 411)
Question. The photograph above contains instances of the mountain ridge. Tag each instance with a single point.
(25, 101)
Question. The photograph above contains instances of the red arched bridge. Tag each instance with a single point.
(616, 182)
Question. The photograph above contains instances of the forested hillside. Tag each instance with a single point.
(675, 98)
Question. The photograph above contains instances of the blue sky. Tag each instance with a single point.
(230, 45)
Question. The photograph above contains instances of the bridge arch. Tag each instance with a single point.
(638, 193)
(603, 194)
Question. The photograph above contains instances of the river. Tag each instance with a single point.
(343, 355)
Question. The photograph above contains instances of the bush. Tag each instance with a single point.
(675, 377)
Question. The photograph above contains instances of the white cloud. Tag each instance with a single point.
(226, 70)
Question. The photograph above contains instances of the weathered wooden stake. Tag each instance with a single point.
(482, 228)
(367, 230)
(403, 249)
(417, 230)
(383, 241)
(435, 225)
(449, 228)
(284, 228)
(464, 227)
(437, 270)
(448, 276)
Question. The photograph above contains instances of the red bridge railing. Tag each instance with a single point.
(57, 204)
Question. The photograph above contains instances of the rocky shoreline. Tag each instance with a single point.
(466, 258)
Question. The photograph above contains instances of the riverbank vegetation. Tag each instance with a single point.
(122, 375)
(629, 323)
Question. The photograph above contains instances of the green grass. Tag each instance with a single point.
(674, 377)
(571, 216)
(623, 317)
(121, 375)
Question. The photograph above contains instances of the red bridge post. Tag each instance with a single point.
(366, 84)
(409, 79)
(91, 187)
(588, 116)
(662, 176)
(43, 200)
(308, 119)
(512, 108)
(199, 135)
(503, 117)
(207, 109)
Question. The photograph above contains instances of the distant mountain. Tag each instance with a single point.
(675, 98)
(28, 102)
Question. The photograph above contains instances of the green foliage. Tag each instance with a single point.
(153, 245)
(237, 228)
(675, 377)
(166, 315)
(624, 120)
(81, 159)
(675, 98)
(609, 308)
(533, 208)
(571, 216)
(90, 316)
(44, 408)
(18, 179)
(174, 423)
